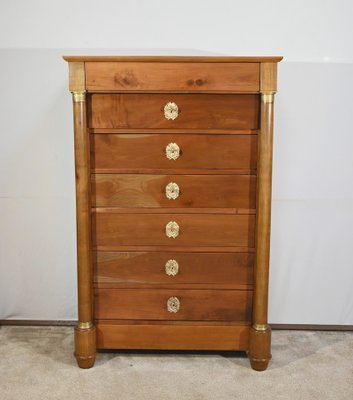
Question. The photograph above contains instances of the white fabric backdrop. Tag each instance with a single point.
(312, 244)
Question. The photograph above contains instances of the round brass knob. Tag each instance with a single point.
(172, 267)
(172, 191)
(172, 151)
(172, 229)
(173, 304)
(171, 110)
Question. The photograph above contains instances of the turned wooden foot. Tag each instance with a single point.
(259, 348)
(85, 346)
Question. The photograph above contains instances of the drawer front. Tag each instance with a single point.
(195, 111)
(134, 76)
(169, 304)
(119, 229)
(138, 269)
(158, 151)
(223, 191)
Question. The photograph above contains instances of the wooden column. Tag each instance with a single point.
(85, 332)
(260, 332)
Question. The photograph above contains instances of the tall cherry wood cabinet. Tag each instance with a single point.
(173, 160)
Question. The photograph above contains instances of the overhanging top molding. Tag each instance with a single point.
(191, 59)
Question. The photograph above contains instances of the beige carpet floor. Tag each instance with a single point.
(37, 363)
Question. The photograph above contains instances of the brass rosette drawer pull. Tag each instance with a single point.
(171, 111)
(172, 229)
(172, 151)
(172, 191)
(172, 267)
(173, 304)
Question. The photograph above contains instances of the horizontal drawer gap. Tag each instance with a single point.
(200, 290)
(168, 254)
(119, 210)
(196, 91)
(180, 131)
(157, 322)
(166, 172)
(164, 321)
(175, 249)
(191, 286)
(174, 171)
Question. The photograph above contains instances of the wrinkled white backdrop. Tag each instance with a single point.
(312, 241)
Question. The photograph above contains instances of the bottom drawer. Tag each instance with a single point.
(168, 304)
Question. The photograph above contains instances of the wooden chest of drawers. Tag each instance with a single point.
(173, 187)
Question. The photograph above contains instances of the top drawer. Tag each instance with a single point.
(169, 76)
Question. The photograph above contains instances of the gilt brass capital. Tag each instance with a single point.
(267, 97)
(79, 96)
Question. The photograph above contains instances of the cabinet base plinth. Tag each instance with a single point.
(175, 336)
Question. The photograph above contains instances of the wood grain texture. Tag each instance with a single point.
(143, 269)
(196, 111)
(194, 77)
(114, 230)
(129, 190)
(196, 305)
(171, 337)
(116, 152)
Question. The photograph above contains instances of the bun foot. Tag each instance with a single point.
(259, 348)
(85, 346)
(85, 363)
(259, 365)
